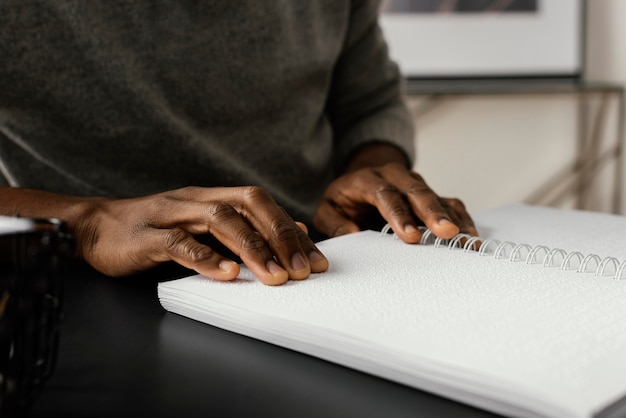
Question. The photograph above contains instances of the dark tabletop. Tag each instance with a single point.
(121, 353)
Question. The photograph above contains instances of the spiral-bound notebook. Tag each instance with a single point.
(532, 324)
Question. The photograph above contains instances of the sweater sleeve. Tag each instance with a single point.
(366, 101)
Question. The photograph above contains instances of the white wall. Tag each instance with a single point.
(496, 150)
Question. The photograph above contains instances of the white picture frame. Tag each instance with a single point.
(547, 42)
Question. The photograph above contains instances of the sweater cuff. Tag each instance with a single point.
(390, 127)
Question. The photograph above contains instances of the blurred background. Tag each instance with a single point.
(497, 149)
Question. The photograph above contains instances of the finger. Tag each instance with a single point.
(266, 240)
(177, 245)
(329, 221)
(318, 261)
(460, 216)
(303, 227)
(228, 227)
(390, 203)
(426, 204)
(278, 230)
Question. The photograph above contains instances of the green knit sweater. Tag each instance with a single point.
(123, 98)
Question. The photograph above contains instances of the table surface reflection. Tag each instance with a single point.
(121, 352)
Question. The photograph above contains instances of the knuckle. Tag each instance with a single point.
(418, 189)
(197, 253)
(455, 204)
(254, 194)
(138, 228)
(156, 206)
(174, 238)
(382, 191)
(399, 210)
(177, 242)
(282, 231)
(250, 242)
(433, 208)
(363, 180)
(219, 211)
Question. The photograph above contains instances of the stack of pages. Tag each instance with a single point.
(514, 328)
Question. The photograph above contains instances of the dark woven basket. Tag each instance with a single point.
(32, 252)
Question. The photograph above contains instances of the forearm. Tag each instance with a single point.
(28, 203)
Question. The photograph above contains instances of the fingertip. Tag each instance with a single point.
(300, 267)
(229, 267)
(409, 234)
(444, 228)
(227, 270)
(275, 275)
(276, 280)
(303, 227)
(318, 262)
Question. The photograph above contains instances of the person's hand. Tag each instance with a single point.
(391, 191)
(125, 236)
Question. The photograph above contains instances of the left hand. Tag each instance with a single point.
(399, 195)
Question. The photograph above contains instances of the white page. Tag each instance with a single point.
(572, 230)
(513, 338)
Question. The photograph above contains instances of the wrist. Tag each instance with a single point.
(375, 155)
(76, 212)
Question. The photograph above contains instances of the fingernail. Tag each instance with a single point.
(227, 265)
(298, 262)
(318, 262)
(315, 257)
(410, 229)
(448, 229)
(274, 268)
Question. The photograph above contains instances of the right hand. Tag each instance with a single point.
(122, 237)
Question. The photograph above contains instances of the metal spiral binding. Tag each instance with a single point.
(498, 249)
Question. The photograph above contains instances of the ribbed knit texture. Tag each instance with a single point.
(129, 97)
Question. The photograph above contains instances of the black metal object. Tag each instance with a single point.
(31, 307)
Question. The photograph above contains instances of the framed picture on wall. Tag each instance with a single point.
(435, 39)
